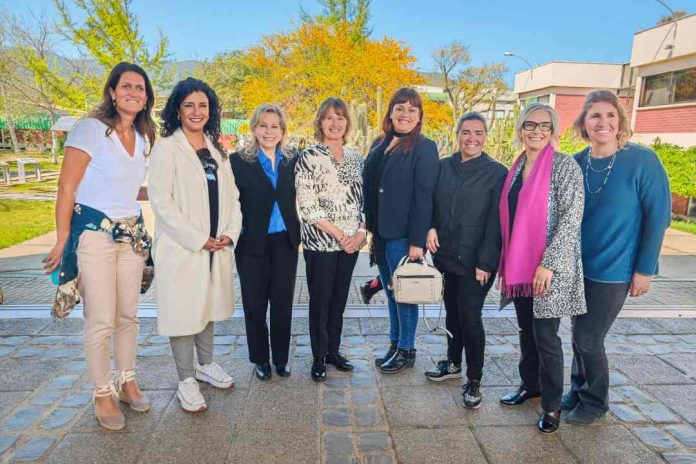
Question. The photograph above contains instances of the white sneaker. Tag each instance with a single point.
(190, 396)
(214, 375)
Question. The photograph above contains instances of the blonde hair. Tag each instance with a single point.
(596, 96)
(340, 107)
(524, 115)
(251, 148)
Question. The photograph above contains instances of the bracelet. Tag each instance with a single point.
(363, 230)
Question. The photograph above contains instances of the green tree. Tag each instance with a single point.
(225, 73)
(7, 70)
(465, 85)
(110, 34)
(352, 16)
(41, 80)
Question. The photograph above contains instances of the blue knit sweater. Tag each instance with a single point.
(625, 222)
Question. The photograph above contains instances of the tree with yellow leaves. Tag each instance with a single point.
(301, 68)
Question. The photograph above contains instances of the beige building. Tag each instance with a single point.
(657, 87)
(564, 85)
(664, 61)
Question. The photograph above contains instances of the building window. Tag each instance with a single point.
(542, 99)
(671, 87)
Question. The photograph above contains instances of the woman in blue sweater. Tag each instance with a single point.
(627, 210)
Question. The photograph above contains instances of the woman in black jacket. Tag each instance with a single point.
(399, 180)
(465, 242)
(267, 249)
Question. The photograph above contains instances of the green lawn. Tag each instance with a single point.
(44, 160)
(684, 226)
(21, 220)
(45, 186)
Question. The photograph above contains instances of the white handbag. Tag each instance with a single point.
(416, 283)
(419, 283)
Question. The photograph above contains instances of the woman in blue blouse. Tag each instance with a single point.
(627, 210)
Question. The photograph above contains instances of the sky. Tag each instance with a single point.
(537, 30)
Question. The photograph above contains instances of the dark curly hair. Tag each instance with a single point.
(170, 114)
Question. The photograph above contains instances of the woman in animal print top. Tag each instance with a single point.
(328, 179)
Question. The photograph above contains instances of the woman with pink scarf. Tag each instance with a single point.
(540, 268)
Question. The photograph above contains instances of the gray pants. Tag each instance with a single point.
(589, 380)
(182, 349)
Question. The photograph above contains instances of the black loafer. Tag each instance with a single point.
(339, 361)
(548, 422)
(263, 371)
(283, 370)
(318, 370)
(518, 397)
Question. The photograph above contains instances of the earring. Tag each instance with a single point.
(145, 107)
(113, 101)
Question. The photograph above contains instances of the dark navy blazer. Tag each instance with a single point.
(406, 192)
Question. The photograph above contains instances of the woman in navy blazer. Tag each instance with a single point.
(399, 182)
(267, 249)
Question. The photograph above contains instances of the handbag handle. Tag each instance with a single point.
(405, 259)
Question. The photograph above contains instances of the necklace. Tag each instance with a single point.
(588, 167)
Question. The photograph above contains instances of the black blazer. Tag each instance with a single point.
(257, 196)
(466, 214)
(406, 192)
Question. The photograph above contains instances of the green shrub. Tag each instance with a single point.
(680, 164)
(569, 143)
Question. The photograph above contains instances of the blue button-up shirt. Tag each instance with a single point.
(277, 224)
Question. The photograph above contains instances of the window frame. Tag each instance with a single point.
(671, 89)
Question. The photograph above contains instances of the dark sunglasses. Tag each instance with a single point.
(207, 158)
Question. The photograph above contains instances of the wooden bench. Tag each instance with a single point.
(23, 164)
(5, 167)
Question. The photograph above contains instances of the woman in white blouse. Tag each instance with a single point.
(328, 178)
(103, 169)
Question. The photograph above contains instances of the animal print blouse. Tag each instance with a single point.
(328, 190)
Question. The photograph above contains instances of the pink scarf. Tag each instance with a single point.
(523, 250)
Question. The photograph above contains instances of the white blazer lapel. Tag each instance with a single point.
(186, 148)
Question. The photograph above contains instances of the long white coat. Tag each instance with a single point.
(189, 292)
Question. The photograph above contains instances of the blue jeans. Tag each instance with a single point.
(403, 318)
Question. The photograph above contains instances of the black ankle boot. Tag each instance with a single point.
(400, 361)
(319, 370)
(388, 355)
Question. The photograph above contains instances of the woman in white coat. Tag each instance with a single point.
(197, 222)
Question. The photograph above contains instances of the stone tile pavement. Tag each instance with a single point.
(31, 287)
(363, 417)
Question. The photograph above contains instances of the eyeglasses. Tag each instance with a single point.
(543, 126)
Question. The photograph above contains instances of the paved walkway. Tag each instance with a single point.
(363, 417)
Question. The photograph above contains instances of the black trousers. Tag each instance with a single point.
(541, 363)
(464, 298)
(265, 279)
(589, 380)
(329, 275)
